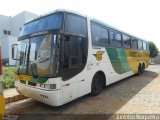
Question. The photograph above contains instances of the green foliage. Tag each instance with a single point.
(153, 50)
(8, 77)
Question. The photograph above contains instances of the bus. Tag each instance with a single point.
(64, 55)
(2, 100)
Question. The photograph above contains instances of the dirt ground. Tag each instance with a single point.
(133, 95)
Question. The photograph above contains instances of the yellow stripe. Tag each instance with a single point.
(23, 77)
(2, 105)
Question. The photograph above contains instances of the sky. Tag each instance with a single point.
(140, 18)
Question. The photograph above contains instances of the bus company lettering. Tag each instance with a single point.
(134, 54)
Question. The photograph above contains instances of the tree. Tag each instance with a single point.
(153, 50)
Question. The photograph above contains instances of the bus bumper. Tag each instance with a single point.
(52, 98)
(2, 105)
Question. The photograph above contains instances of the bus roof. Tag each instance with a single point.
(83, 15)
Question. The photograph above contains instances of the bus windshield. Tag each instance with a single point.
(50, 22)
(38, 56)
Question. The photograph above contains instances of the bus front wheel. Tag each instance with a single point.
(97, 85)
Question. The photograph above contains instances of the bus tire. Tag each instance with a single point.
(139, 69)
(97, 85)
(143, 67)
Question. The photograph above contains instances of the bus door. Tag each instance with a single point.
(74, 55)
(69, 68)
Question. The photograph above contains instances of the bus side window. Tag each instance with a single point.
(134, 43)
(75, 24)
(75, 51)
(112, 37)
(99, 34)
(119, 39)
(82, 52)
(140, 45)
(148, 46)
(70, 57)
(126, 41)
(144, 46)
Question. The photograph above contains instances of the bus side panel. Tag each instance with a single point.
(136, 57)
(119, 66)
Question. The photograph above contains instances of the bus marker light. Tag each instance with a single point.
(66, 85)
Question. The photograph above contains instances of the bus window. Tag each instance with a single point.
(126, 41)
(140, 46)
(104, 36)
(99, 34)
(119, 39)
(76, 24)
(134, 43)
(144, 46)
(148, 46)
(82, 52)
(113, 37)
(75, 51)
(70, 57)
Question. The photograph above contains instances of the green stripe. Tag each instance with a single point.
(118, 60)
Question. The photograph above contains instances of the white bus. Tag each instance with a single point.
(64, 55)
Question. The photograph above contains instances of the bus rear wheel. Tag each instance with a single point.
(97, 85)
(140, 70)
(143, 67)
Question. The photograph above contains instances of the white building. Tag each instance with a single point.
(9, 30)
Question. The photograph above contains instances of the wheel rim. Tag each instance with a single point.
(97, 85)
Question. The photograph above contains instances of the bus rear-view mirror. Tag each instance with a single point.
(15, 52)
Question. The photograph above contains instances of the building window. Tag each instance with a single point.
(5, 32)
(9, 32)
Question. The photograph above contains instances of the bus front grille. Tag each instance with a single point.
(32, 83)
(22, 81)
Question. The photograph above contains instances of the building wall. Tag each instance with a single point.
(4, 25)
(17, 22)
(5, 48)
(13, 24)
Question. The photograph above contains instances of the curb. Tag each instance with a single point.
(15, 98)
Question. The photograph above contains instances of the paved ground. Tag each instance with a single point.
(10, 92)
(136, 94)
(11, 95)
